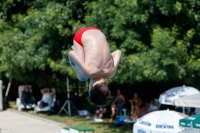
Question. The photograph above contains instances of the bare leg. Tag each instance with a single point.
(113, 111)
(132, 110)
(134, 117)
(100, 115)
(79, 50)
(97, 112)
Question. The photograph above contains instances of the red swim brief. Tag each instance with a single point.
(79, 33)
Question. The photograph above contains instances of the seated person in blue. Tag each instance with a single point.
(118, 104)
(27, 99)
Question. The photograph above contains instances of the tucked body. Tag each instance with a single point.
(91, 57)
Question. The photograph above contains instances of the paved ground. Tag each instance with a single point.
(12, 121)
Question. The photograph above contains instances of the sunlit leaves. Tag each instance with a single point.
(156, 37)
(159, 39)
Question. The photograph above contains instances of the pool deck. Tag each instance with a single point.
(12, 121)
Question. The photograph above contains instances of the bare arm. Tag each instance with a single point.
(78, 65)
(116, 58)
(114, 101)
(42, 91)
(104, 111)
(53, 91)
(23, 88)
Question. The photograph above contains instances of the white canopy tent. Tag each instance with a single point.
(188, 101)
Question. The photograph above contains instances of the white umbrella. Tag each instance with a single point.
(164, 121)
(188, 101)
(170, 95)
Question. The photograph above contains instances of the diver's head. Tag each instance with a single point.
(99, 95)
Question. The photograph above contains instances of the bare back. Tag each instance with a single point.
(91, 56)
(97, 54)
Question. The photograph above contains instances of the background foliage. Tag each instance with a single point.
(159, 39)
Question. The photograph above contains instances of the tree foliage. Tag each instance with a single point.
(159, 39)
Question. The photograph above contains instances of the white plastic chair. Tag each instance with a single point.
(122, 113)
(20, 106)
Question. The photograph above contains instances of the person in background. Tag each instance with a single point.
(47, 97)
(135, 103)
(142, 110)
(27, 99)
(152, 106)
(100, 112)
(118, 104)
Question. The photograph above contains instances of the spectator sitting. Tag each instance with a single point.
(152, 106)
(118, 104)
(100, 113)
(27, 99)
(47, 97)
(142, 110)
(135, 103)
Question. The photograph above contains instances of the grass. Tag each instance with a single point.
(99, 127)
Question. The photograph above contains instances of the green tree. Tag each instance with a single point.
(37, 37)
(159, 39)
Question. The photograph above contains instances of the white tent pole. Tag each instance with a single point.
(8, 88)
(183, 110)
